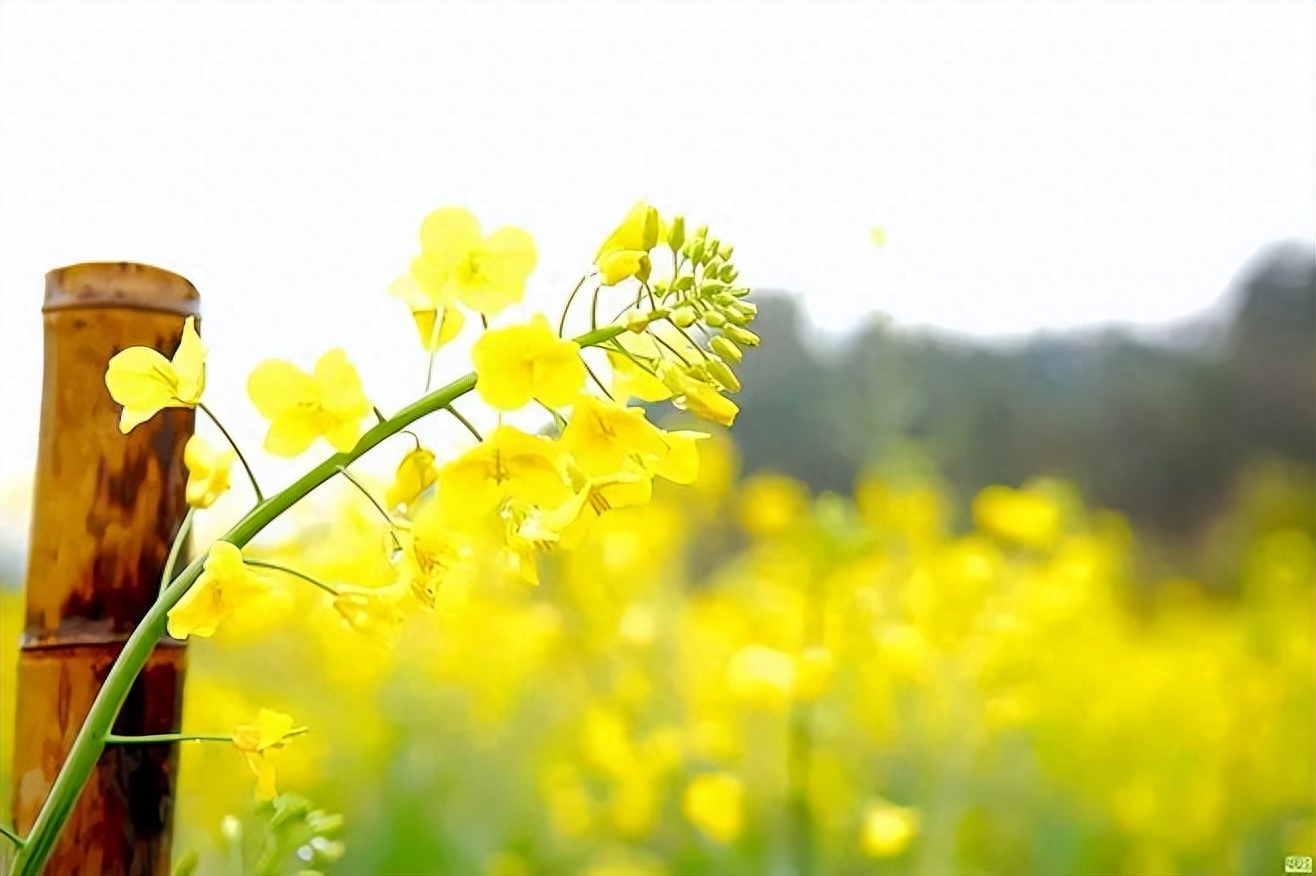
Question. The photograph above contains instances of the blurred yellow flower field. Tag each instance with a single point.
(739, 677)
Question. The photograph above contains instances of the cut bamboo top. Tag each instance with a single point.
(120, 284)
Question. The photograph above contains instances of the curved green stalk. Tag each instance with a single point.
(91, 739)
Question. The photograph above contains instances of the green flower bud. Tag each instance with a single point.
(695, 250)
(724, 348)
(684, 283)
(701, 232)
(728, 273)
(744, 337)
(714, 319)
(749, 308)
(637, 320)
(711, 248)
(676, 233)
(723, 374)
(725, 251)
(684, 317)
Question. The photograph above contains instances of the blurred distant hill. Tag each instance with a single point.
(1158, 428)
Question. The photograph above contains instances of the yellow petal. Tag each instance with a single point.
(680, 464)
(208, 472)
(449, 230)
(273, 727)
(341, 394)
(143, 381)
(292, 432)
(277, 385)
(189, 364)
(198, 613)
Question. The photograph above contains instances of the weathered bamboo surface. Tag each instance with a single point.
(106, 509)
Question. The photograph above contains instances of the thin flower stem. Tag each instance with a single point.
(115, 739)
(562, 323)
(673, 349)
(429, 372)
(373, 501)
(686, 335)
(275, 567)
(560, 420)
(260, 497)
(465, 422)
(595, 378)
(90, 741)
(594, 309)
(11, 836)
(176, 549)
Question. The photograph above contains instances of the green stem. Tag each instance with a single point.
(251, 476)
(562, 323)
(11, 836)
(115, 739)
(465, 422)
(90, 741)
(176, 549)
(262, 564)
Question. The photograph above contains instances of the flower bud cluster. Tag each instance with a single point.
(699, 318)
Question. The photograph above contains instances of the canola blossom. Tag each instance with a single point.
(510, 499)
(144, 382)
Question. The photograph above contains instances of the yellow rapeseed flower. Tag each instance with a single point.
(523, 362)
(1026, 517)
(271, 730)
(225, 584)
(626, 251)
(509, 464)
(302, 407)
(145, 382)
(888, 829)
(571, 521)
(432, 551)
(416, 474)
(207, 471)
(372, 611)
(601, 436)
(458, 264)
(714, 803)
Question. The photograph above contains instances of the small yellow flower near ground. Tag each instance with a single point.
(224, 585)
(601, 436)
(301, 407)
(271, 730)
(436, 323)
(145, 382)
(523, 362)
(815, 670)
(762, 676)
(626, 251)
(888, 829)
(1025, 517)
(509, 465)
(458, 264)
(771, 504)
(207, 471)
(715, 803)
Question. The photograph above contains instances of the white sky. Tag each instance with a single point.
(1034, 165)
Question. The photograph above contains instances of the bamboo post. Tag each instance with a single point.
(106, 508)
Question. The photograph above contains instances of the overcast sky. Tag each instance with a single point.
(1033, 165)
